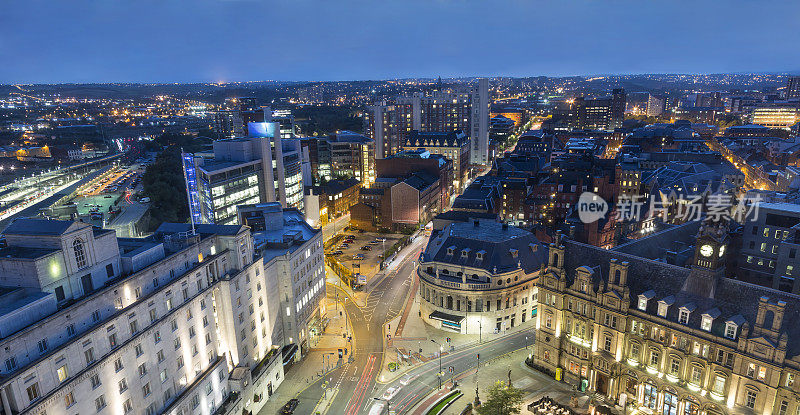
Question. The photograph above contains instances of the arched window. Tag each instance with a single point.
(80, 255)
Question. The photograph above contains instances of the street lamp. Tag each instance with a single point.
(388, 411)
(439, 375)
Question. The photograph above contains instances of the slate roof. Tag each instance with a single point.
(420, 180)
(494, 240)
(43, 227)
(733, 300)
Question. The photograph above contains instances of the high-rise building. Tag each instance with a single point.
(344, 154)
(463, 108)
(257, 168)
(655, 106)
(93, 323)
(596, 114)
(793, 87)
(232, 123)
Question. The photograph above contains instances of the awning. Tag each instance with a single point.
(449, 318)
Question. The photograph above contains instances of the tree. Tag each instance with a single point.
(502, 400)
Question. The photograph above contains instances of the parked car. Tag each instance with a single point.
(366, 248)
(344, 245)
(358, 257)
(337, 252)
(380, 239)
(144, 200)
(375, 241)
(290, 406)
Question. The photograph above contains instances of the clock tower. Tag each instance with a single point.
(710, 250)
(708, 264)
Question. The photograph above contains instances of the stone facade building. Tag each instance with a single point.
(664, 338)
(480, 277)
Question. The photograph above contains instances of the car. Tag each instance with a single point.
(108, 197)
(290, 406)
(345, 245)
(377, 408)
(389, 394)
(366, 248)
(358, 257)
(144, 200)
(337, 253)
(405, 380)
(375, 241)
(380, 239)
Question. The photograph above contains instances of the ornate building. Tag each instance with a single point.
(479, 277)
(664, 338)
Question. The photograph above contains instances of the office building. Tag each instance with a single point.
(293, 259)
(762, 259)
(777, 115)
(463, 108)
(595, 114)
(96, 323)
(344, 154)
(479, 277)
(793, 87)
(412, 186)
(247, 170)
(453, 145)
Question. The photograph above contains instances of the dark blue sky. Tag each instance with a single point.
(241, 40)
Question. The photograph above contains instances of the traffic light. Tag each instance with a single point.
(451, 369)
(340, 353)
(448, 340)
(479, 356)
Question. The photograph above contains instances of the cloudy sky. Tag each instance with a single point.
(248, 40)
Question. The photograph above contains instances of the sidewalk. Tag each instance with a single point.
(534, 384)
(321, 359)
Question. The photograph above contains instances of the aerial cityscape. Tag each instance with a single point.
(235, 207)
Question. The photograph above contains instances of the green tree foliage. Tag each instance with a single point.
(502, 400)
(163, 180)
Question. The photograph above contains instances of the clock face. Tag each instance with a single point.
(706, 250)
(721, 250)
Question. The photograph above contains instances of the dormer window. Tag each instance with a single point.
(664, 304)
(683, 313)
(708, 319)
(644, 298)
(683, 316)
(451, 250)
(514, 253)
(479, 255)
(465, 253)
(705, 322)
(730, 330)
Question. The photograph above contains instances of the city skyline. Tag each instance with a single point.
(308, 40)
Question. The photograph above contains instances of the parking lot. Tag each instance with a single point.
(365, 261)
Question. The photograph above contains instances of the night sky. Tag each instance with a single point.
(56, 41)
